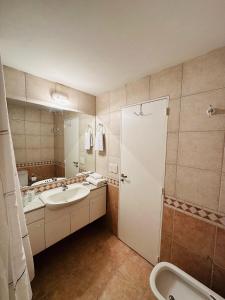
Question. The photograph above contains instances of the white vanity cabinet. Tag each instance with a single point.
(97, 204)
(36, 230)
(79, 214)
(57, 225)
(48, 226)
(37, 236)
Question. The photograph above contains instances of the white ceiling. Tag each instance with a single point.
(98, 45)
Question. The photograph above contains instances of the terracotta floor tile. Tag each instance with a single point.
(148, 295)
(138, 277)
(121, 288)
(89, 265)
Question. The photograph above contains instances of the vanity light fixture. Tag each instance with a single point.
(60, 99)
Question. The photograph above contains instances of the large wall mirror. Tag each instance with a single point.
(50, 144)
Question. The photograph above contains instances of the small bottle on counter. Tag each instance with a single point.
(33, 178)
(30, 195)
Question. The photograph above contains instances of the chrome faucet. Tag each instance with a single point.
(64, 187)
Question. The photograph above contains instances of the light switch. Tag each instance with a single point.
(113, 168)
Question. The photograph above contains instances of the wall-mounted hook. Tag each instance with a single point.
(141, 113)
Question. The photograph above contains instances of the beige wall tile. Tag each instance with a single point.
(20, 155)
(171, 148)
(17, 126)
(114, 145)
(102, 104)
(174, 115)
(102, 164)
(47, 129)
(114, 160)
(47, 116)
(222, 194)
(33, 142)
(197, 186)
(138, 91)
(202, 150)
(114, 124)
(33, 155)
(15, 84)
(166, 83)
(90, 163)
(19, 141)
(48, 154)
(16, 112)
(117, 99)
(204, 73)
(170, 179)
(47, 141)
(32, 114)
(32, 128)
(193, 112)
(86, 103)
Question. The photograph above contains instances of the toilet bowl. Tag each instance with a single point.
(168, 282)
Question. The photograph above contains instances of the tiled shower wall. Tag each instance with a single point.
(195, 167)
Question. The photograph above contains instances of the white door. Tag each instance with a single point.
(71, 146)
(143, 152)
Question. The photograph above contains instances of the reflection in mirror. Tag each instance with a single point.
(50, 144)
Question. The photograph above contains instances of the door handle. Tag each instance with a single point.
(76, 163)
(122, 177)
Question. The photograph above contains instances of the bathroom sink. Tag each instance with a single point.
(58, 197)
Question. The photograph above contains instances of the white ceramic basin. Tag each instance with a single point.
(57, 198)
(169, 282)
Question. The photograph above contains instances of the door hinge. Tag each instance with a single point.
(163, 191)
(167, 111)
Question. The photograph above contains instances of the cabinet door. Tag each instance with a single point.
(98, 205)
(37, 236)
(79, 215)
(15, 84)
(56, 230)
(34, 215)
(39, 90)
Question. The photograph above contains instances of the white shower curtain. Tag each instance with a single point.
(16, 261)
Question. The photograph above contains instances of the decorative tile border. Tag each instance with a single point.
(59, 163)
(48, 186)
(34, 164)
(205, 214)
(112, 181)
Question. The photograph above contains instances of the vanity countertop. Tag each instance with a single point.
(36, 203)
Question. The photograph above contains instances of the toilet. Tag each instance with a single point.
(168, 282)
